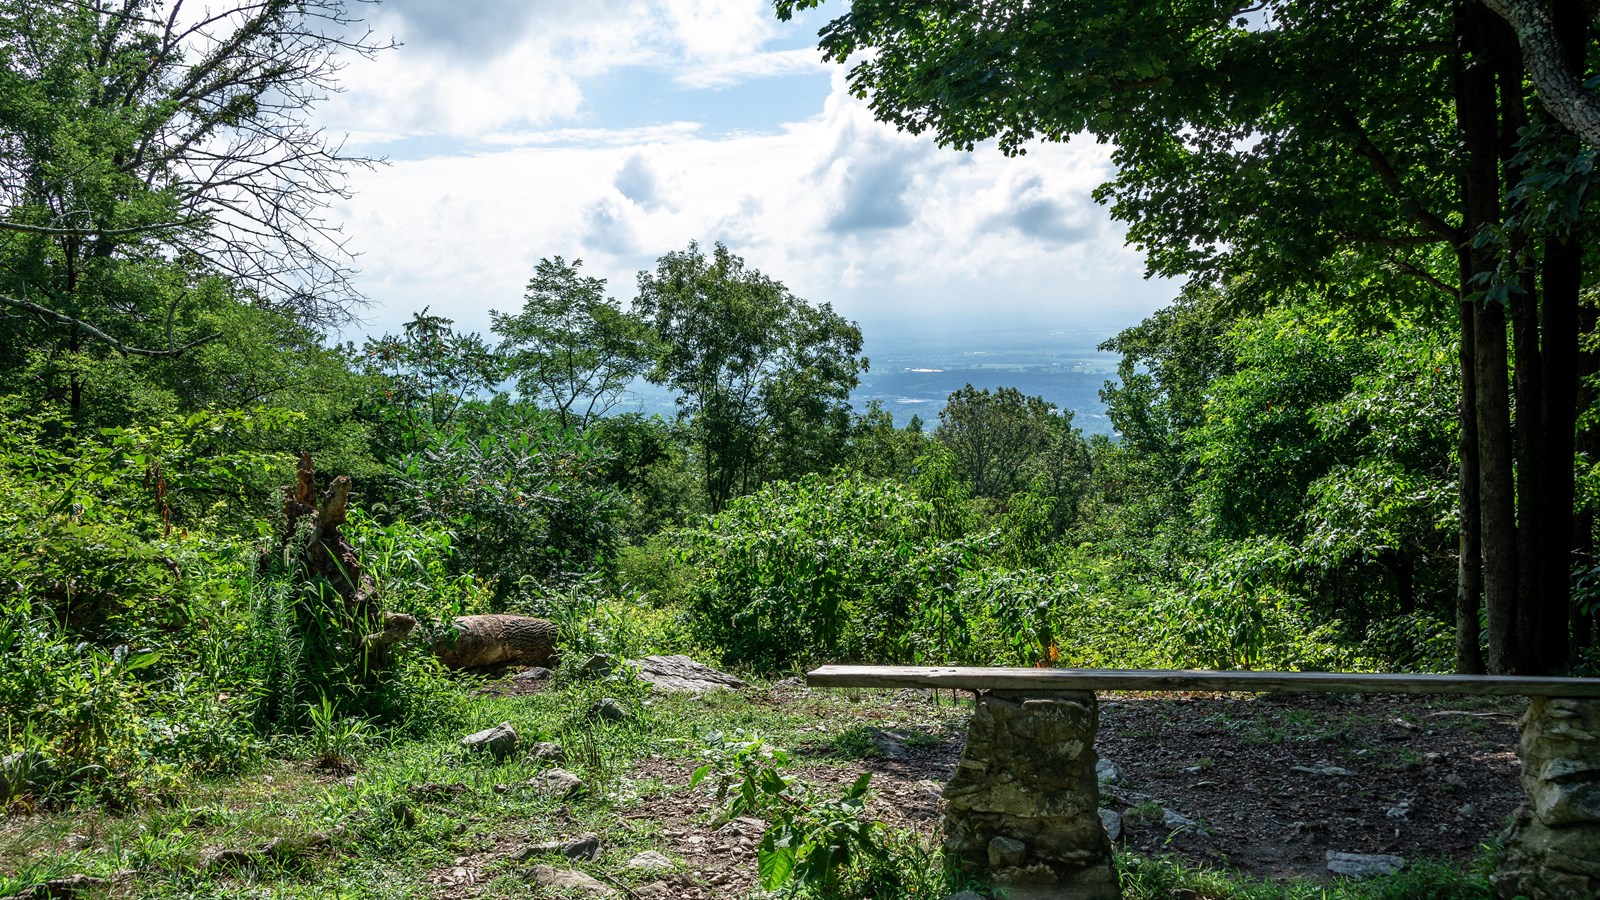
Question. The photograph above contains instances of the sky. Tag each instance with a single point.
(615, 131)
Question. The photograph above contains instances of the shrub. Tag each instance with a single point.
(836, 569)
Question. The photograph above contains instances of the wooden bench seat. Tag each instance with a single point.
(997, 678)
(1022, 808)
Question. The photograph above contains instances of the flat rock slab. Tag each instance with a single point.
(1360, 866)
(498, 741)
(551, 877)
(680, 674)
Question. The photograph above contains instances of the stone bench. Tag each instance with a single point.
(1022, 809)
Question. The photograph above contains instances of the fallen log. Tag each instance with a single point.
(497, 639)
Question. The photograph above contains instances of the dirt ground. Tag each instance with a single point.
(1269, 783)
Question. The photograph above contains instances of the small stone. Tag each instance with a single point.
(1174, 821)
(77, 841)
(584, 846)
(609, 709)
(598, 666)
(537, 673)
(551, 877)
(1455, 781)
(557, 783)
(655, 889)
(498, 741)
(67, 888)
(1107, 771)
(1006, 853)
(648, 861)
(1467, 810)
(547, 751)
(887, 743)
(1111, 820)
(1361, 866)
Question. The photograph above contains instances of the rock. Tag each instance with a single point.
(1107, 772)
(1112, 820)
(537, 673)
(649, 861)
(1175, 821)
(1455, 781)
(888, 743)
(68, 888)
(277, 849)
(547, 751)
(77, 841)
(1323, 769)
(550, 877)
(680, 674)
(1006, 853)
(584, 846)
(792, 683)
(610, 710)
(597, 666)
(498, 741)
(433, 790)
(1401, 810)
(1361, 866)
(655, 889)
(1467, 810)
(558, 783)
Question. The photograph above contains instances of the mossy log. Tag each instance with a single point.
(496, 640)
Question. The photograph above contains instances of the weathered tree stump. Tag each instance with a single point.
(1023, 808)
(1552, 851)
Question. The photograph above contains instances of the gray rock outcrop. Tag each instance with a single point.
(680, 674)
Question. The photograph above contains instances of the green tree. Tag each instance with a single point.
(1004, 442)
(571, 345)
(146, 151)
(762, 377)
(1297, 144)
(428, 373)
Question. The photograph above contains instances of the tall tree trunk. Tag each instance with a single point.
(1528, 429)
(1477, 113)
(1497, 490)
(1563, 280)
(1469, 574)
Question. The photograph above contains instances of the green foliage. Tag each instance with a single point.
(571, 344)
(827, 569)
(428, 374)
(522, 496)
(815, 842)
(762, 377)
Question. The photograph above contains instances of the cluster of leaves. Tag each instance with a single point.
(815, 842)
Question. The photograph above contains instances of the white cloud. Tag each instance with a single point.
(503, 66)
(949, 229)
(733, 70)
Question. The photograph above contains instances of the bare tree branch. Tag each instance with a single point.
(99, 335)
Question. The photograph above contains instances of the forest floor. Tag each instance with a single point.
(1259, 788)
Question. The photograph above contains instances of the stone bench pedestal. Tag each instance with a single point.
(1552, 851)
(1023, 808)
